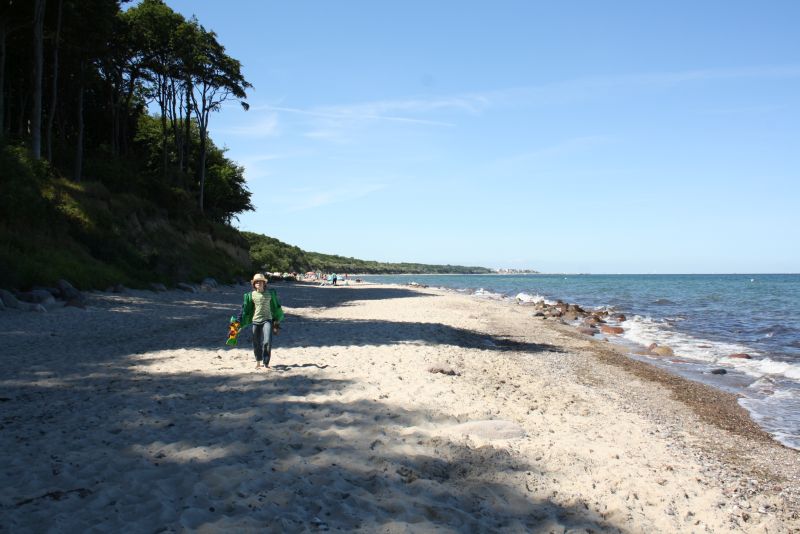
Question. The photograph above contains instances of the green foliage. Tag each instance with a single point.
(225, 189)
(21, 181)
(28, 259)
(53, 228)
(270, 254)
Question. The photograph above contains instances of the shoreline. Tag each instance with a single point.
(661, 356)
(133, 413)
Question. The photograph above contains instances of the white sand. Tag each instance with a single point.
(133, 416)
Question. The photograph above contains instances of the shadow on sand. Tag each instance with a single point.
(99, 444)
(289, 464)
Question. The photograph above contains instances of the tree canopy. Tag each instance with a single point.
(77, 78)
(270, 254)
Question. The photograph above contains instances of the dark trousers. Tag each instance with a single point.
(262, 341)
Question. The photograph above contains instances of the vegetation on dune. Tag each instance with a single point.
(273, 255)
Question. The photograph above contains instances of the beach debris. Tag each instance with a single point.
(319, 524)
(406, 474)
(208, 284)
(8, 299)
(719, 371)
(593, 320)
(39, 299)
(443, 369)
(661, 350)
(57, 495)
(37, 296)
(76, 302)
(615, 330)
(67, 291)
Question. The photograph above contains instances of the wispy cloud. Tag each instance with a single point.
(303, 199)
(563, 148)
(599, 86)
(257, 166)
(339, 123)
(358, 112)
(263, 126)
(743, 110)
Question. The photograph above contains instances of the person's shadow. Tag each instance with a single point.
(281, 367)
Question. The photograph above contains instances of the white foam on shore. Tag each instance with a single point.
(772, 399)
(777, 412)
(644, 331)
(480, 292)
(528, 298)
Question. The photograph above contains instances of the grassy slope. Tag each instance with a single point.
(53, 228)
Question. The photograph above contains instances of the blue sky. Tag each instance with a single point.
(604, 137)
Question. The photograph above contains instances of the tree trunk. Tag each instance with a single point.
(163, 104)
(79, 141)
(114, 121)
(22, 108)
(38, 68)
(187, 134)
(3, 34)
(123, 125)
(203, 134)
(176, 113)
(202, 111)
(51, 113)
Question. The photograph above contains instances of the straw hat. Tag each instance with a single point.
(258, 277)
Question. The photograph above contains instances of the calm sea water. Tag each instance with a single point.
(703, 318)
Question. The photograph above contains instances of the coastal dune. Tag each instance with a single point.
(385, 409)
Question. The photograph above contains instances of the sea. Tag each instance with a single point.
(704, 318)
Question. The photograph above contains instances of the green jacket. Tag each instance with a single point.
(248, 308)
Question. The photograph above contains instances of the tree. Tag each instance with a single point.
(91, 27)
(51, 111)
(38, 71)
(215, 78)
(155, 24)
(12, 18)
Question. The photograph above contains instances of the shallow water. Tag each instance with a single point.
(703, 318)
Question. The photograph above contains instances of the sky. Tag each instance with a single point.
(575, 136)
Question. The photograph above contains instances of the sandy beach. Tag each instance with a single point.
(386, 409)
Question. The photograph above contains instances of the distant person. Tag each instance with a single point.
(334, 278)
(262, 309)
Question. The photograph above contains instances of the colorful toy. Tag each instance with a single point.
(233, 332)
